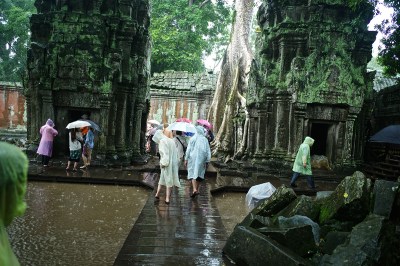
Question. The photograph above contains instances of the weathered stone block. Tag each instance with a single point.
(383, 197)
(332, 240)
(247, 246)
(299, 239)
(302, 205)
(363, 246)
(281, 198)
(349, 201)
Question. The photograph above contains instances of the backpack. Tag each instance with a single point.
(183, 146)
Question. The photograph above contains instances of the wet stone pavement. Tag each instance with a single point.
(187, 231)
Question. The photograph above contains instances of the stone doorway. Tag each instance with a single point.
(63, 117)
(325, 139)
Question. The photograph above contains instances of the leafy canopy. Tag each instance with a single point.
(14, 37)
(184, 31)
(389, 52)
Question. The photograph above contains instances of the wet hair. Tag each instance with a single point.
(73, 134)
(179, 133)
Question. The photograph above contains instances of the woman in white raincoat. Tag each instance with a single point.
(302, 163)
(198, 154)
(169, 164)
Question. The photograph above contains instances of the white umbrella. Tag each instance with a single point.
(182, 126)
(78, 124)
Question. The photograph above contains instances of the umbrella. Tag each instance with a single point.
(78, 124)
(153, 122)
(92, 124)
(183, 119)
(182, 126)
(204, 123)
(390, 134)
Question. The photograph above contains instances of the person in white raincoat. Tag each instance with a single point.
(169, 164)
(198, 155)
(302, 163)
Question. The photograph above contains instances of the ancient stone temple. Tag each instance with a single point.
(91, 58)
(176, 94)
(309, 78)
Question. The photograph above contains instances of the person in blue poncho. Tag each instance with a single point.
(198, 155)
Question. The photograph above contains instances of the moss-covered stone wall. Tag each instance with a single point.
(309, 78)
(91, 57)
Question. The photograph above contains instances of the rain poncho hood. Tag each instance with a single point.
(303, 156)
(13, 178)
(50, 122)
(197, 154)
(158, 136)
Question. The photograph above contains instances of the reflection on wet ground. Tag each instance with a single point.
(232, 208)
(75, 224)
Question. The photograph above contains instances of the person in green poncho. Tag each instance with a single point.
(13, 178)
(302, 163)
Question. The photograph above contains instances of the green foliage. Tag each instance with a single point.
(183, 33)
(14, 37)
(389, 53)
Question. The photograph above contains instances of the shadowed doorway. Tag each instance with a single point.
(319, 132)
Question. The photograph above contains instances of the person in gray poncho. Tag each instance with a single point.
(198, 155)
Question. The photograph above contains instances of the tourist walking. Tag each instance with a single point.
(169, 176)
(302, 163)
(45, 148)
(75, 144)
(87, 148)
(197, 157)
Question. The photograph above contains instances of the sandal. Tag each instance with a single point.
(67, 168)
(167, 202)
(74, 169)
(194, 194)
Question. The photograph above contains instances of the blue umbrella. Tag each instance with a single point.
(390, 134)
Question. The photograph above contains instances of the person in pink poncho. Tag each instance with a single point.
(46, 142)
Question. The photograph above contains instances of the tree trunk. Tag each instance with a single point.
(232, 83)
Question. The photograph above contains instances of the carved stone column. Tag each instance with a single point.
(260, 146)
(105, 104)
(137, 158)
(347, 157)
(47, 105)
(299, 129)
(120, 133)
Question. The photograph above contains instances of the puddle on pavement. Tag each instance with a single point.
(80, 224)
(232, 209)
(75, 224)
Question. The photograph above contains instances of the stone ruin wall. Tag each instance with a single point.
(91, 57)
(309, 78)
(176, 94)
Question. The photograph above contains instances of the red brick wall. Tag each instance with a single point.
(11, 95)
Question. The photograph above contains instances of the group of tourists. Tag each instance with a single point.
(80, 142)
(174, 150)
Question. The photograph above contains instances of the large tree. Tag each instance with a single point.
(14, 37)
(389, 51)
(184, 31)
(232, 83)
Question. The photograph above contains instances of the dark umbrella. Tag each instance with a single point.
(390, 134)
(92, 124)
